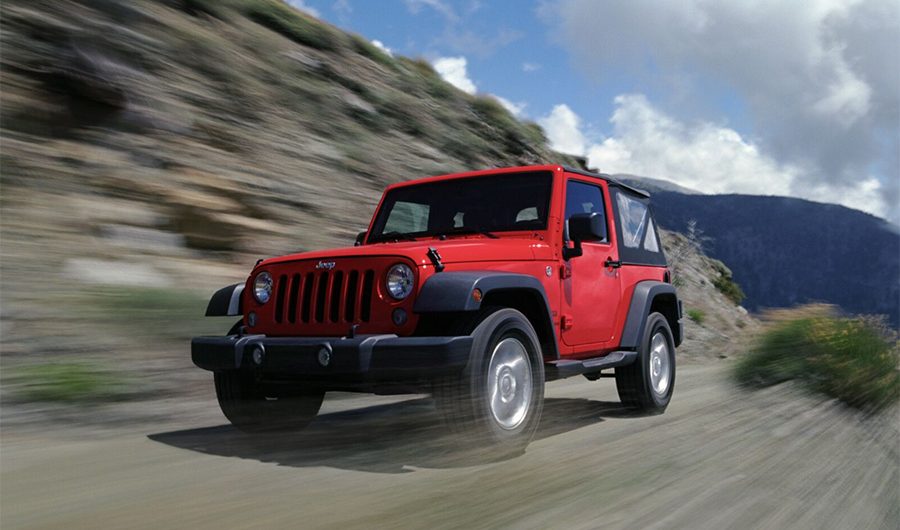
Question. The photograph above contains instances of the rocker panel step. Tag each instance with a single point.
(564, 368)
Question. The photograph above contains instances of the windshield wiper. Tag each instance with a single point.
(467, 230)
(395, 236)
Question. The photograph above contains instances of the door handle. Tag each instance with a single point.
(612, 264)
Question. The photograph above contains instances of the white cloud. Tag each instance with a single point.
(301, 5)
(530, 67)
(704, 156)
(453, 71)
(563, 129)
(415, 6)
(516, 109)
(380, 45)
(819, 80)
(342, 8)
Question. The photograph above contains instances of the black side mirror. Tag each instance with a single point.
(360, 237)
(584, 227)
(587, 227)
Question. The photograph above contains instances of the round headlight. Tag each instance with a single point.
(262, 287)
(399, 281)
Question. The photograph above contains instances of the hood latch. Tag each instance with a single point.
(435, 258)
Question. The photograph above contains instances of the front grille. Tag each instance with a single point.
(324, 297)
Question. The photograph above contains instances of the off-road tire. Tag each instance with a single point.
(248, 408)
(465, 401)
(635, 381)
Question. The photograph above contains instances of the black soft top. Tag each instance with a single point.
(608, 178)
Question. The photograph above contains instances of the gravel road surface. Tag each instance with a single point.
(718, 458)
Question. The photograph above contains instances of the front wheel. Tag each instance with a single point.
(499, 396)
(647, 383)
(249, 408)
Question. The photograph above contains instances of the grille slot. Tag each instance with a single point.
(279, 299)
(352, 287)
(324, 297)
(307, 298)
(321, 296)
(292, 299)
(334, 309)
(365, 304)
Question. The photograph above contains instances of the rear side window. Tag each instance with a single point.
(633, 219)
(638, 237)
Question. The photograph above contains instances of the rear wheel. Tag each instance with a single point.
(499, 396)
(648, 382)
(249, 408)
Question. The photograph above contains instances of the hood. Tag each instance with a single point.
(459, 250)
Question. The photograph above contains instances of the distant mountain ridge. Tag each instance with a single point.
(653, 185)
(785, 251)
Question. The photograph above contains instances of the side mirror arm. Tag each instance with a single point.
(574, 252)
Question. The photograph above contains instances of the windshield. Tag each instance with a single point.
(495, 203)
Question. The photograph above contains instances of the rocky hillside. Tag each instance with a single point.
(153, 150)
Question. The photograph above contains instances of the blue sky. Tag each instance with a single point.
(757, 96)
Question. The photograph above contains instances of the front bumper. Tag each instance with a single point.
(373, 357)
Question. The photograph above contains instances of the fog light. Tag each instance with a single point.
(251, 319)
(258, 355)
(399, 316)
(324, 356)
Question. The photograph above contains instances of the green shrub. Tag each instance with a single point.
(696, 315)
(406, 112)
(149, 314)
(726, 284)
(69, 382)
(534, 134)
(421, 75)
(491, 110)
(852, 359)
(213, 8)
(367, 49)
(282, 18)
(465, 146)
(421, 66)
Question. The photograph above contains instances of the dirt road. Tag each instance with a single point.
(716, 459)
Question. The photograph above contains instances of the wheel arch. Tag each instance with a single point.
(227, 301)
(448, 295)
(651, 297)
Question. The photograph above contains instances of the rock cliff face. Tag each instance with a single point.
(153, 150)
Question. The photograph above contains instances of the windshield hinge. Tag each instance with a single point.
(435, 258)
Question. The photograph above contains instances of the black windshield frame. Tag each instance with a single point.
(491, 199)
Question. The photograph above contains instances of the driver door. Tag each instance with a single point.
(590, 290)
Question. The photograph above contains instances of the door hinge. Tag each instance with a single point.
(566, 322)
(565, 271)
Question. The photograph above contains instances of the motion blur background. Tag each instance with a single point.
(152, 151)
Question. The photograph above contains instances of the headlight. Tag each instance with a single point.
(262, 287)
(399, 281)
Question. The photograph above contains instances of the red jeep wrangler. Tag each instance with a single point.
(477, 287)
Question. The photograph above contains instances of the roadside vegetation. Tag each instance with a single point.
(70, 382)
(853, 359)
(696, 315)
(726, 284)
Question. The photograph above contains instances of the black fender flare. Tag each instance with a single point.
(451, 292)
(641, 301)
(227, 302)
